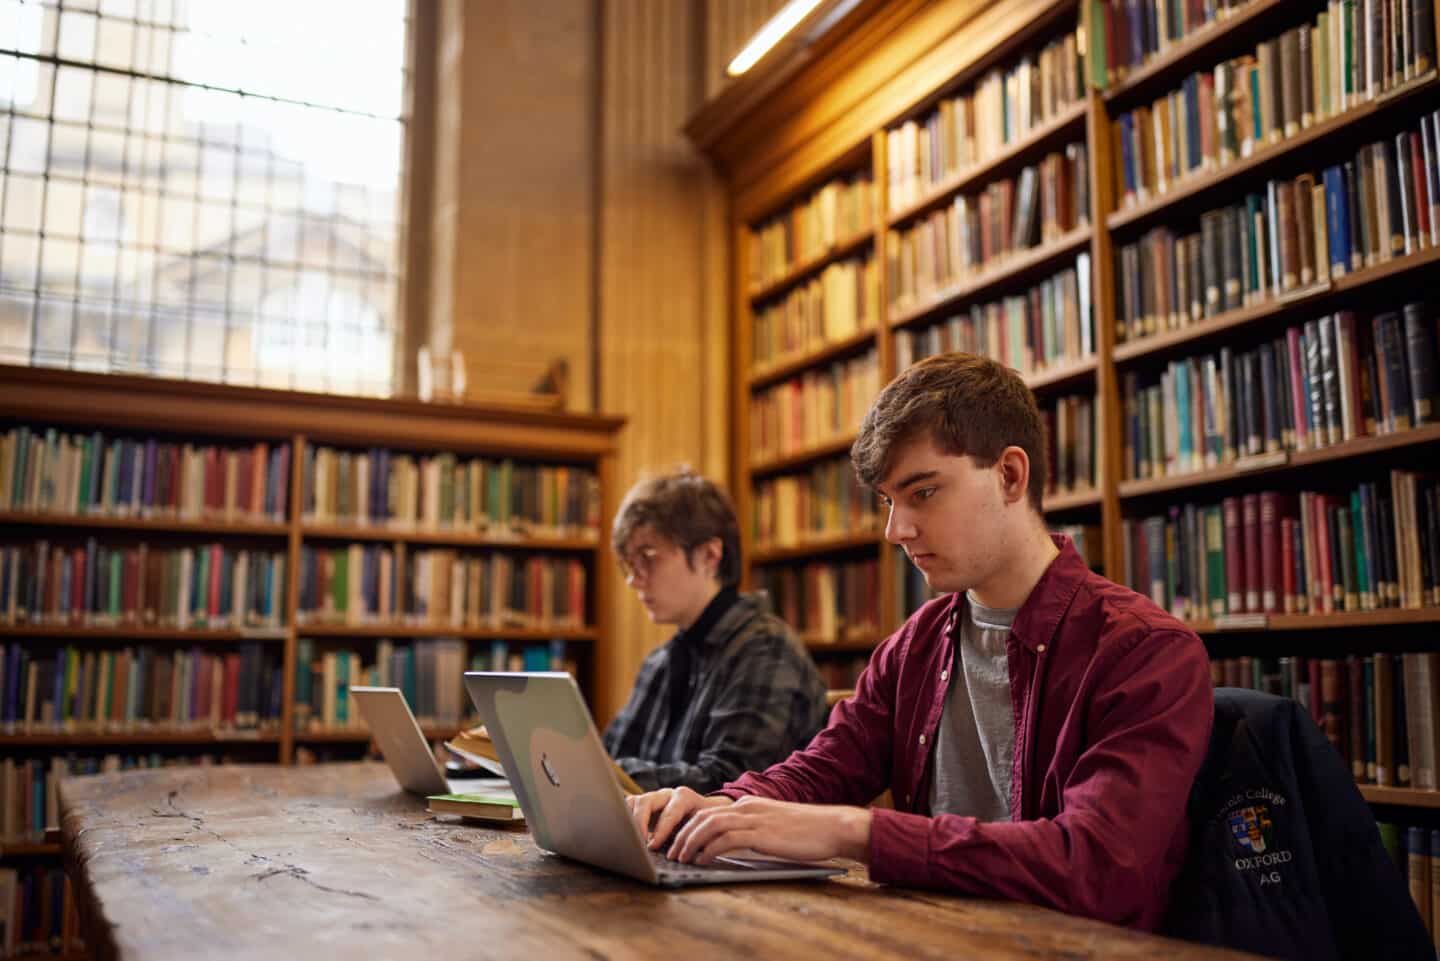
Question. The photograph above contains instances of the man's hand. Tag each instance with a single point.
(658, 813)
(781, 829)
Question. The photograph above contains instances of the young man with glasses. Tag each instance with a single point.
(734, 690)
(1038, 726)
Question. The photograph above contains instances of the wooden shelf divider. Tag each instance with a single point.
(1008, 270)
(790, 366)
(802, 270)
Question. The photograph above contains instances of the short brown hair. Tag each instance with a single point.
(684, 508)
(970, 405)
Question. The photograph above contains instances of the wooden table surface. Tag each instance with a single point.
(334, 861)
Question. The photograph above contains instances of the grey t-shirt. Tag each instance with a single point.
(975, 744)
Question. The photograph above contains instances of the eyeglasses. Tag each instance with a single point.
(640, 563)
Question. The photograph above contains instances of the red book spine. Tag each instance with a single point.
(1250, 530)
(78, 613)
(244, 476)
(212, 606)
(1287, 565)
(1422, 188)
(232, 690)
(205, 667)
(1234, 556)
(1270, 550)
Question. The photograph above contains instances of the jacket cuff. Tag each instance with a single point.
(899, 848)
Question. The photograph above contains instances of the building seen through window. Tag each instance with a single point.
(203, 189)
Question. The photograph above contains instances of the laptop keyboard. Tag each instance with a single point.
(678, 869)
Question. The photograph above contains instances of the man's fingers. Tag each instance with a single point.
(671, 816)
(702, 831)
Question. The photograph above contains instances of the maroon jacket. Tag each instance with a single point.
(1112, 704)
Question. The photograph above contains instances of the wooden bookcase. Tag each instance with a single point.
(74, 402)
(776, 137)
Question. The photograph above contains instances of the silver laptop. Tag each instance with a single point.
(564, 782)
(406, 751)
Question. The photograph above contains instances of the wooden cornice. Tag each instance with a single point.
(892, 60)
(179, 406)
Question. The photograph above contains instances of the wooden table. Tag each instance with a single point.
(334, 861)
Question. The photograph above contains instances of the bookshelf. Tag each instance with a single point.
(837, 115)
(546, 519)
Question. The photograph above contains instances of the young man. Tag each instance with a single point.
(733, 690)
(1038, 727)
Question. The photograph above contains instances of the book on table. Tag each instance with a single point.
(488, 807)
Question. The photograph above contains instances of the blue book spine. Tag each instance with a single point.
(1338, 216)
(1127, 151)
(62, 657)
(37, 800)
(408, 674)
(1188, 445)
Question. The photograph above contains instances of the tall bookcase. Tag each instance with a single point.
(912, 307)
(571, 496)
(779, 139)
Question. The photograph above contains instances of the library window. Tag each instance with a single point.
(202, 189)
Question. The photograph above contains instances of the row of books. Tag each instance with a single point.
(1381, 711)
(28, 800)
(826, 602)
(1374, 546)
(1295, 235)
(368, 584)
(842, 673)
(70, 689)
(1124, 35)
(1325, 382)
(1070, 462)
(825, 501)
(841, 209)
(428, 672)
(977, 232)
(1049, 325)
(32, 912)
(820, 405)
(842, 301)
(43, 470)
(1416, 851)
(447, 492)
(95, 585)
(1307, 75)
(971, 127)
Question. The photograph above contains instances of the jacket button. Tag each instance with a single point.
(1039, 648)
(945, 675)
(922, 739)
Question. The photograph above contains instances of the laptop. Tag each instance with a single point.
(406, 751)
(562, 777)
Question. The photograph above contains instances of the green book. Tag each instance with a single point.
(489, 807)
(80, 506)
(1215, 559)
(117, 582)
(339, 583)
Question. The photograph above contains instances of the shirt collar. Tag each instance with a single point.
(1038, 619)
(698, 633)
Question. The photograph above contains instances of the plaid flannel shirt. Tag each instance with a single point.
(755, 696)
